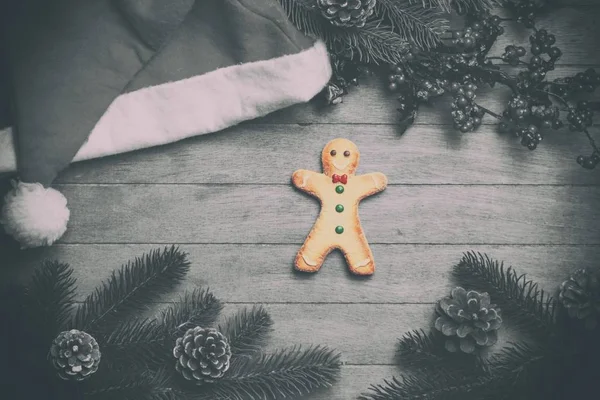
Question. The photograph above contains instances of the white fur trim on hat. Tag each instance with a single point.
(172, 111)
(34, 215)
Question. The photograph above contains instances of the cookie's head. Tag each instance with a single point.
(340, 156)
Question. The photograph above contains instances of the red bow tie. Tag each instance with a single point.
(340, 178)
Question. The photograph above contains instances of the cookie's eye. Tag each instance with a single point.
(333, 152)
(346, 153)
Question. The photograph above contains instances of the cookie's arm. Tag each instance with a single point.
(306, 180)
(372, 183)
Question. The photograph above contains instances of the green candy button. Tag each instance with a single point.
(339, 208)
(339, 229)
(339, 189)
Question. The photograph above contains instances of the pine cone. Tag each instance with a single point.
(333, 94)
(75, 354)
(347, 13)
(580, 295)
(203, 355)
(468, 319)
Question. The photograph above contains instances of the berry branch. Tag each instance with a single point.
(428, 61)
(460, 65)
(464, 66)
(493, 114)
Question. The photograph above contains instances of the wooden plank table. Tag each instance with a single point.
(227, 200)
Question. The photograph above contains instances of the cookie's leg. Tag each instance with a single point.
(359, 256)
(312, 254)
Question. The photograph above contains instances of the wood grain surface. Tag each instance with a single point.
(423, 155)
(494, 214)
(226, 200)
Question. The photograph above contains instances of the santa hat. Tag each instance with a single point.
(96, 78)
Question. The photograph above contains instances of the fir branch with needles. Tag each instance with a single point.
(464, 6)
(247, 330)
(198, 308)
(530, 307)
(420, 350)
(525, 370)
(138, 355)
(514, 361)
(282, 374)
(513, 371)
(418, 345)
(439, 384)
(374, 43)
(459, 5)
(305, 17)
(554, 361)
(131, 288)
(138, 342)
(127, 386)
(52, 296)
(420, 26)
(387, 37)
(443, 5)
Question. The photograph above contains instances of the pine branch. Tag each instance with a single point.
(305, 17)
(247, 330)
(517, 369)
(140, 342)
(286, 373)
(131, 288)
(443, 5)
(475, 5)
(374, 43)
(420, 351)
(516, 358)
(524, 363)
(112, 385)
(438, 384)
(419, 25)
(461, 5)
(51, 298)
(419, 345)
(527, 369)
(530, 307)
(199, 308)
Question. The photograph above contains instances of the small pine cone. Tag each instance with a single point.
(202, 355)
(580, 295)
(333, 94)
(468, 319)
(347, 13)
(75, 355)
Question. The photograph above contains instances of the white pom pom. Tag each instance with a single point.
(35, 216)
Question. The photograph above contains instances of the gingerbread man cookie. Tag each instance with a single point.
(338, 225)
